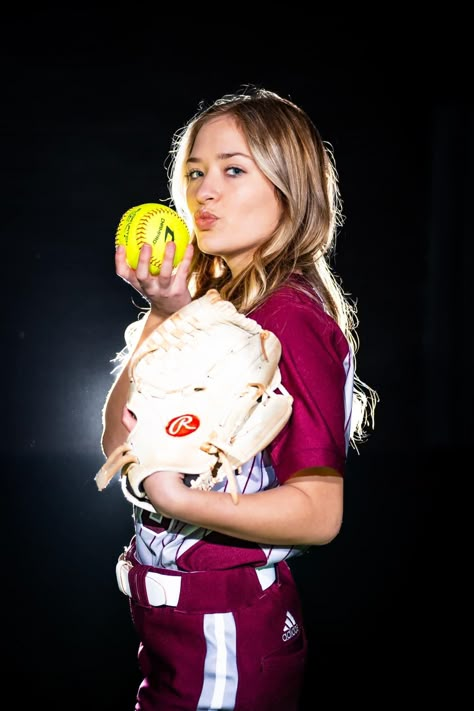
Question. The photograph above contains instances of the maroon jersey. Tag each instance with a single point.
(317, 370)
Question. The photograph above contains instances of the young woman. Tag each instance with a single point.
(258, 189)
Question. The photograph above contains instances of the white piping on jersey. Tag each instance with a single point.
(348, 395)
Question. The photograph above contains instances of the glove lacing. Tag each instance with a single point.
(119, 458)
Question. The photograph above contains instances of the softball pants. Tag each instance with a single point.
(223, 639)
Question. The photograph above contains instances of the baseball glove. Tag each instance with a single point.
(206, 393)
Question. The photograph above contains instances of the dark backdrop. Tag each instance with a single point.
(87, 119)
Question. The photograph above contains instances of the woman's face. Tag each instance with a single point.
(235, 208)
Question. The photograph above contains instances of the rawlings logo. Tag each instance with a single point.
(182, 425)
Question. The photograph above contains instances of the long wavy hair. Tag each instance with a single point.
(288, 149)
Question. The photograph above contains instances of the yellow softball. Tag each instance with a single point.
(154, 224)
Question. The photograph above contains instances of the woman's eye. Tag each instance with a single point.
(235, 171)
(193, 174)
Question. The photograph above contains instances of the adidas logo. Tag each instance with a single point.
(290, 628)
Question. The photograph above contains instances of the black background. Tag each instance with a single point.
(90, 103)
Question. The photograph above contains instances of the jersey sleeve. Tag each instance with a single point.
(316, 370)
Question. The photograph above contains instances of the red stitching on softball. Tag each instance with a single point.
(141, 229)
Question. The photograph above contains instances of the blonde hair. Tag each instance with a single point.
(288, 149)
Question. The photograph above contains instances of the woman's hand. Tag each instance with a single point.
(166, 490)
(167, 292)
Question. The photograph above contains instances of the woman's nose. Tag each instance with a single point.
(208, 189)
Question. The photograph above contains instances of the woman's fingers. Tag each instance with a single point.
(121, 265)
(185, 264)
(123, 269)
(143, 265)
(167, 290)
(166, 270)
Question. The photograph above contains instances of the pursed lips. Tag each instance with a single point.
(205, 219)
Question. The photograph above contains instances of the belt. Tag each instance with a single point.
(195, 589)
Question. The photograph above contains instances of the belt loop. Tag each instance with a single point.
(266, 575)
(137, 581)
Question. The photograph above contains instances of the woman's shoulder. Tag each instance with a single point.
(294, 314)
(292, 294)
(289, 302)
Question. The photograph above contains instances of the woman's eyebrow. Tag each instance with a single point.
(220, 156)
